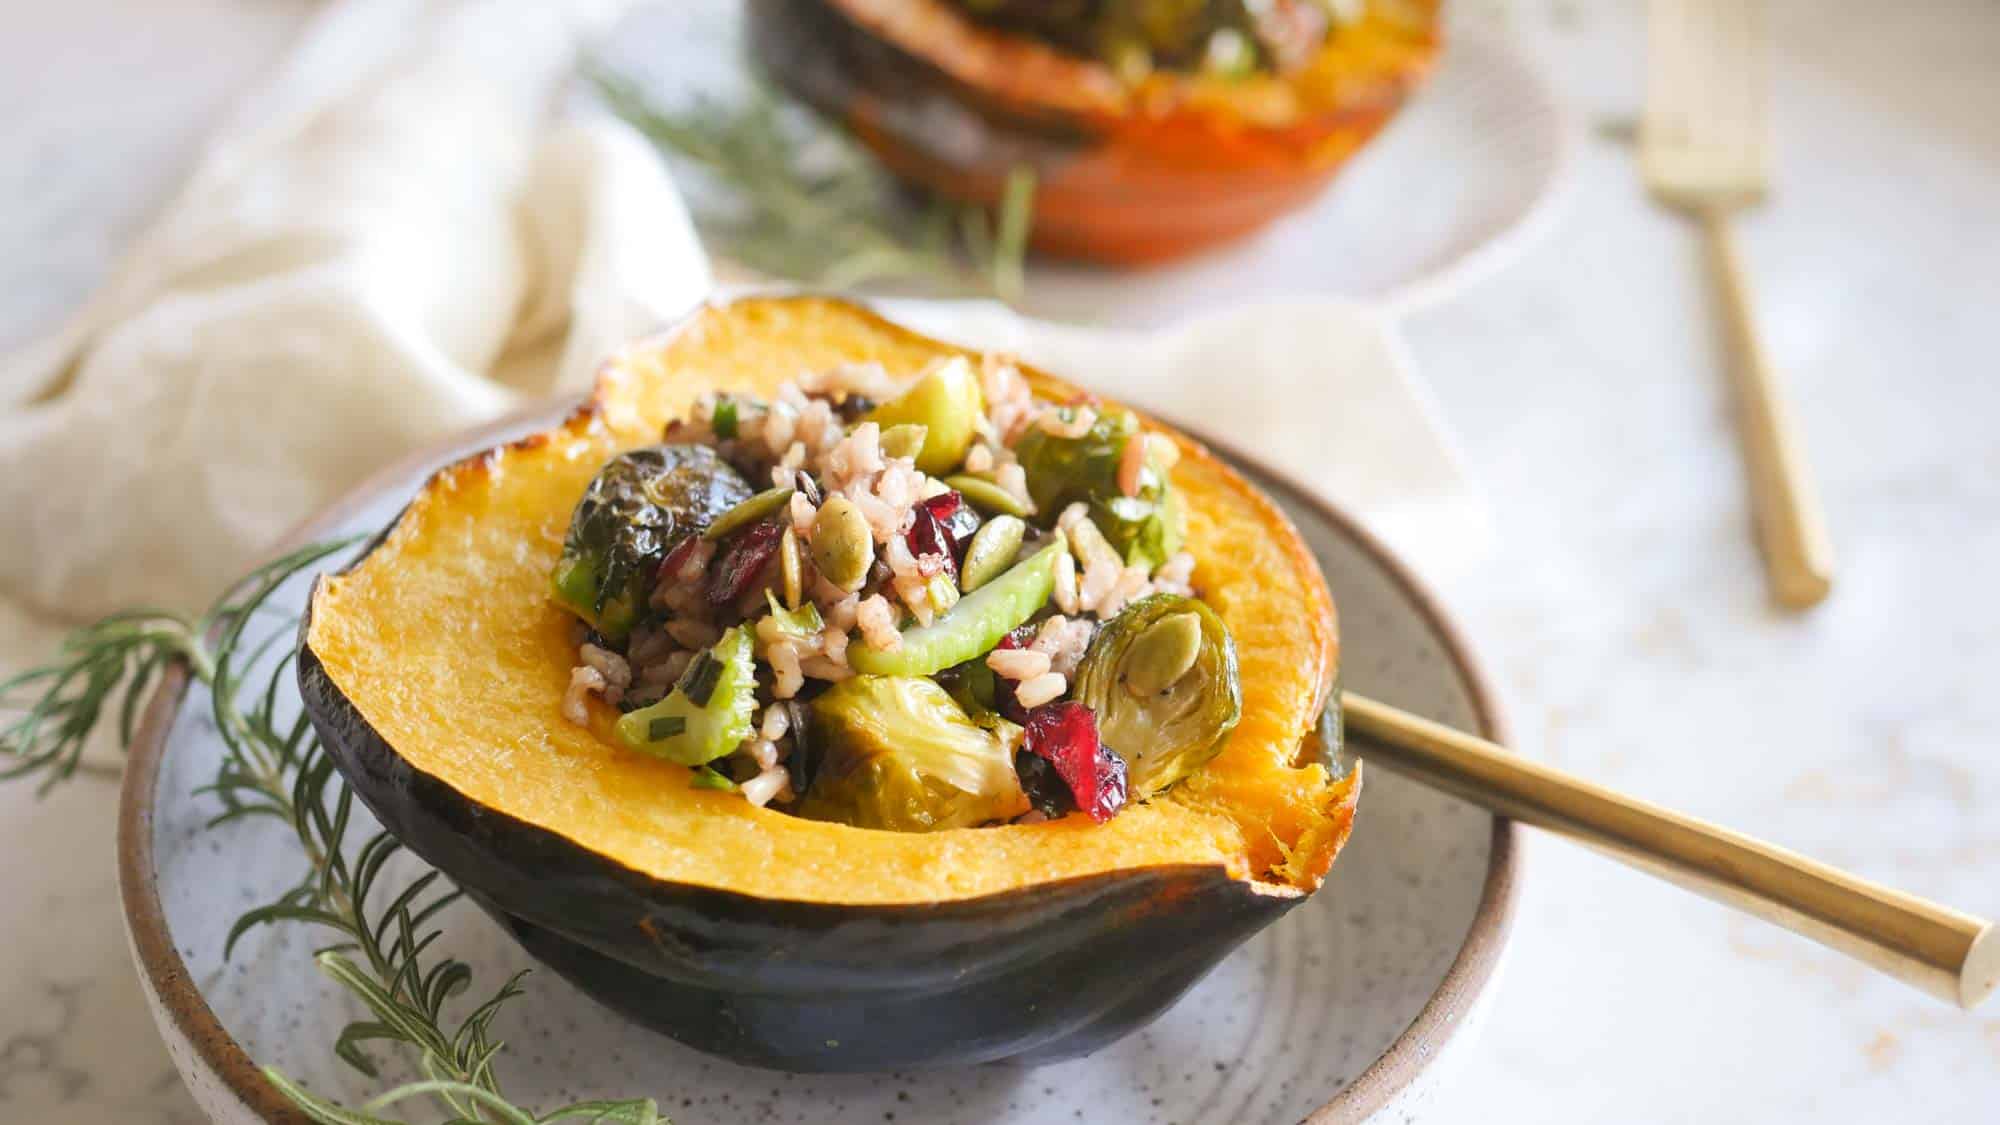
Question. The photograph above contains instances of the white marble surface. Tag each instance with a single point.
(1623, 612)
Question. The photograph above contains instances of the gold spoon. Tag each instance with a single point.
(1953, 956)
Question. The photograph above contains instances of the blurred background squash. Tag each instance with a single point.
(1145, 145)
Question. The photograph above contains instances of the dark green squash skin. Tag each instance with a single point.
(1035, 975)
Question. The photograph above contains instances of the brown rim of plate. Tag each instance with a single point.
(181, 1001)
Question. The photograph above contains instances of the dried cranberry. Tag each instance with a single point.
(943, 505)
(928, 537)
(957, 517)
(1047, 792)
(748, 553)
(1065, 735)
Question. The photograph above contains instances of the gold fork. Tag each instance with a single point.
(1703, 149)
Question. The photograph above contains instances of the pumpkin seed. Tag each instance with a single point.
(991, 551)
(789, 567)
(905, 440)
(942, 590)
(765, 503)
(1087, 542)
(843, 548)
(1162, 654)
(987, 496)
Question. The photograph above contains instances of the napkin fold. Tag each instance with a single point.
(399, 235)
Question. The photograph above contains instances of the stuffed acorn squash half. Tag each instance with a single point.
(830, 698)
(1154, 128)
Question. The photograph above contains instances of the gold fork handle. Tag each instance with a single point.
(1798, 557)
(1950, 955)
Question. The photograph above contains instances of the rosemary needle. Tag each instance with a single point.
(803, 201)
(273, 766)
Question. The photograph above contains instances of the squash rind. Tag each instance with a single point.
(816, 987)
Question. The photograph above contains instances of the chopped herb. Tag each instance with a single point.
(698, 682)
(797, 198)
(666, 726)
(723, 422)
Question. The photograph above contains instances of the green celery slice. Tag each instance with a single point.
(973, 626)
(680, 729)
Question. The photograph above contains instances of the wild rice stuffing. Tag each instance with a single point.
(866, 546)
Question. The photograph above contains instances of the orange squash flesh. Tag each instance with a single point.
(444, 639)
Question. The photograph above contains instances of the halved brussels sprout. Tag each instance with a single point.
(1162, 678)
(636, 509)
(947, 402)
(896, 753)
(708, 713)
(1146, 528)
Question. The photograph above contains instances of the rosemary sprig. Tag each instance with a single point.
(113, 660)
(274, 766)
(804, 201)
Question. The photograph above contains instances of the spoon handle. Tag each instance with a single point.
(1953, 956)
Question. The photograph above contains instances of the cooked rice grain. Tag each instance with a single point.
(773, 784)
(1017, 663)
(1042, 689)
(878, 624)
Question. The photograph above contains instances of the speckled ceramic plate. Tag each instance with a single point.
(1350, 1006)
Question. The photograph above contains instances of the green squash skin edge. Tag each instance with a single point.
(1039, 974)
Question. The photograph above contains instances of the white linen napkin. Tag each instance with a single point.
(398, 237)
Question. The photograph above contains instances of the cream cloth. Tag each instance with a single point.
(399, 236)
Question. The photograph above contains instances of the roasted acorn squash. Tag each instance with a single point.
(1126, 172)
(434, 667)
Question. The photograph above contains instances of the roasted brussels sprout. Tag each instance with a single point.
(639, 506)
(708, 713)
(1146, 528)
(947, 402)
(895, 752)
(1161, 677)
